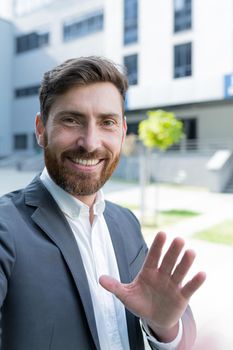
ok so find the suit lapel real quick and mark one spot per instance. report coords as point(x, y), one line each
point(119, 246)
point(51, 220)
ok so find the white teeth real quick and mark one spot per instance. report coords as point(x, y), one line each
point(86, 162)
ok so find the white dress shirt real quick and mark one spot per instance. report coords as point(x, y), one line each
point(98, 258)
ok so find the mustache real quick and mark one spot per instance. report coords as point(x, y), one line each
point(82, 153)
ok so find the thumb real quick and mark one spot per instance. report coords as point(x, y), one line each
point(111, 285)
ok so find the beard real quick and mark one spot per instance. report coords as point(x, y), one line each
point(74, 182)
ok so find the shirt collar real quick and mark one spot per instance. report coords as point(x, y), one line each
point(70, 205)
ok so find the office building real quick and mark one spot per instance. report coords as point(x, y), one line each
point(178, 54)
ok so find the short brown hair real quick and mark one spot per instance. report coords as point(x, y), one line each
point(78, 72)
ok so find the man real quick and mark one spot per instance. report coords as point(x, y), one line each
point(61, 242)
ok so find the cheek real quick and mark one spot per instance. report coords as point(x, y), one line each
point(59, 139)
point(122, 137)
point(115, 145)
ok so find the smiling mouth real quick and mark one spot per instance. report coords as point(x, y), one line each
point(86, 162)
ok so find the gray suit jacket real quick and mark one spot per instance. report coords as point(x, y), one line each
point(44, 295)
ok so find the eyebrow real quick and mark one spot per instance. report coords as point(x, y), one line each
point(77, 114)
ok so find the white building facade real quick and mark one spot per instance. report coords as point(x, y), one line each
point(179, 56)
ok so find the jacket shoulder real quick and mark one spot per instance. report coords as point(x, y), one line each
point(116, 210)
point(7, 201)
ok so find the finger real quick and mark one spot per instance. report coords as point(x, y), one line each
point(191, 286)
point(183, 267)
point(171, 256)
point(154, 254)
point(112, 285)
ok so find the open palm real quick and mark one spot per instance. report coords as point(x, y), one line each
point(157, 294)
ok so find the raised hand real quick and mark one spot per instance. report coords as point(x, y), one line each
point(157, 294)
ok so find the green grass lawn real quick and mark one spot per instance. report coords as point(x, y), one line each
point(221, 233)
point(163, 217)
point(168, 217)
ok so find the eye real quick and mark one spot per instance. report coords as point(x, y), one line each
point(109, 122)
point(70, 121)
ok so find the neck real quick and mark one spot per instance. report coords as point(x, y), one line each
point(88, 200)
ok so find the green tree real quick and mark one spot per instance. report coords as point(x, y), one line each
point(160, 130)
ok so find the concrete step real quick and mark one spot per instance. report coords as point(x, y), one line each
point(228, 190)
point(229, 187)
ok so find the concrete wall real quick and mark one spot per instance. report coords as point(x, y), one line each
point(169, 168)
point(6, 43)
point(220, 167)
point(214, 121)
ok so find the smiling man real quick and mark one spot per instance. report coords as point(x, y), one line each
point(75, 272)
point(82, 138)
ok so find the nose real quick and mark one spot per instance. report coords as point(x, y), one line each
point(89, 138)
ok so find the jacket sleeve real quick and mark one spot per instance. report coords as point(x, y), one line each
point(7, 257)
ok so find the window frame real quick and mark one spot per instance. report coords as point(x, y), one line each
point(83, 26)
point(184, 69)
point(27, 91)
point(20, 142)
point(182, 18)
point(132, 76)
point(32, 41)
point(130, 18)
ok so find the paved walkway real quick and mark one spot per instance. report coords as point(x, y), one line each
point(213, 303)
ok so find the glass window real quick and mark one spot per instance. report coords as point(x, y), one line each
point(182, 60)
point(131, 64)
point(31, 41)
point(27, 91)
point(130, 21)
point(182, 15)
point(132, 128)
point(20, 141)
point(89, 25)
point(190, 128)
point(191, 135)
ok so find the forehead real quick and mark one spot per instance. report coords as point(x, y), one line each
point(101, 95)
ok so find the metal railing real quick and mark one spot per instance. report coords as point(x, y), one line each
point(208, 146)
point(203, 146)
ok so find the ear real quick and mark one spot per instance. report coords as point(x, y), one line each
point(39, 129)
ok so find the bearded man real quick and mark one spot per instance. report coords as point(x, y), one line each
point(75, 272)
